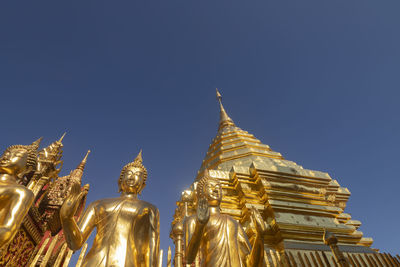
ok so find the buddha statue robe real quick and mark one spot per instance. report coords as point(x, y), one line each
point(224, 242)
point(127, 233)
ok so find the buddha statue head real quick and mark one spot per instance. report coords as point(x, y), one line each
point(133, 176)
point(19, 160)
point(210, 189)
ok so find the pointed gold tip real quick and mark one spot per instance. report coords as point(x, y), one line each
point(219, 96)
point(81, 165)
point(62, 137)
point(37, 143)
point(86, 156)
point(225, 120)
point(139, 156)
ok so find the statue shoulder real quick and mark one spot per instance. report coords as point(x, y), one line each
point(18, 192)
point(104, 202)
point(95, 205)
point(231, 220)
point(23, 192)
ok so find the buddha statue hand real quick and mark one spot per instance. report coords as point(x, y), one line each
point(72, 202)
point(256, 256)
point(258, 222)
point(203, 212)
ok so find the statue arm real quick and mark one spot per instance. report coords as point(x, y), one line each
point(194, 234)
point(75, 235)
point(244, 245)
point(19, 206)
point(256, 256)
point(154, 237)
point(195, 228)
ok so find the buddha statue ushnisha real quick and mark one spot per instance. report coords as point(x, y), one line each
point(219, 238)
point(127, 228)
point(18, 162)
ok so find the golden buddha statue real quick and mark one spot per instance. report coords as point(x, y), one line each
point(127, 228)
point(18, 162)
point(219, 238)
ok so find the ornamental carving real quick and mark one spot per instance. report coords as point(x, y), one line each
point(18, 252)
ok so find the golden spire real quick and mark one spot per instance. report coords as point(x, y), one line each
point(62, 137)
point(81, 165)
point(50, 158)
point(225, 120)
point(36, 144)
point(76, 175)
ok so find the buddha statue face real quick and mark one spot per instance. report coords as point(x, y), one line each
point(14, 161)
point(212, 191)
point(132, 180)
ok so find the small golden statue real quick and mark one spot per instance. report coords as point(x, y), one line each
point(17, 163)
point(127, 228)
point(219, 238)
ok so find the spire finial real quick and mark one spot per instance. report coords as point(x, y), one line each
point(81, 165)
point(36, 144)
point(139, 157)
point(219, 96)
point(225, 120)
point(62, 137)
point(86, 156)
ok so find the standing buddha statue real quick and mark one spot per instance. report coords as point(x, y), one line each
point(219, 238)
point(127, 228)
point(17, 163)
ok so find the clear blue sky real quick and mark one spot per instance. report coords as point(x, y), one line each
point(317, 80)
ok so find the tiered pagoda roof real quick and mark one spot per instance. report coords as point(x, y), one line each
point(297, 204)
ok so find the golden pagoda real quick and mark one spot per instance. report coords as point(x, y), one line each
point(303, 209)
